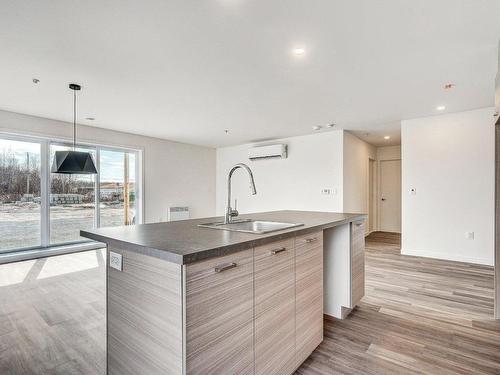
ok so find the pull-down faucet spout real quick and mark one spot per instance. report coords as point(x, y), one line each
point(230, 212)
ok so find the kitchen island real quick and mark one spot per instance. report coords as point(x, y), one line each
point(182, 299)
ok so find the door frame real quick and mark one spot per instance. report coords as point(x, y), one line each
point(372, 224)
point(497, 221)
point(379, 189)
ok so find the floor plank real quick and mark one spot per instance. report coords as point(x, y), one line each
point(419, 316)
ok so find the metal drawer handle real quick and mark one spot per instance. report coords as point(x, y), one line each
point(309, 240)
point(224, 267)
point(278, 250)
point(358, 224)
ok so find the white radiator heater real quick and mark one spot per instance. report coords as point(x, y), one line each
point(178, 213)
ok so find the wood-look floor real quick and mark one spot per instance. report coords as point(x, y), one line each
point(419, 316)
point(52, 315)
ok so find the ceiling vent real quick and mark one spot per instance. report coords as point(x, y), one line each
point(278, 151)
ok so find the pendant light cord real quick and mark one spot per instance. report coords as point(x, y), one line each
point(74, 120)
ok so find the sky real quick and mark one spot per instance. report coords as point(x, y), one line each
point(111, 163)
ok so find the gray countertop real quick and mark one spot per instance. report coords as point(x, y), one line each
point(184, 242)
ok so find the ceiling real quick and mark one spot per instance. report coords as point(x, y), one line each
point(189, 70)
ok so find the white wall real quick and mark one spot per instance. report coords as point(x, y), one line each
point(449, 159)
point(357, 154)
point(314, 162)
point(174, 173)
point(389, 153)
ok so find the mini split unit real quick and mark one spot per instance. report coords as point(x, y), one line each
point(278, 151)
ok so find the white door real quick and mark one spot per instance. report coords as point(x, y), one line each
point(390, 196)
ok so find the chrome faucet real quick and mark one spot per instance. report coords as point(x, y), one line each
point(230, 212)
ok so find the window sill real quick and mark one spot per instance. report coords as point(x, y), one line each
point(20, 255)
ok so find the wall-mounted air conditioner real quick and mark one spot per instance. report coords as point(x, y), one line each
point(278, 151)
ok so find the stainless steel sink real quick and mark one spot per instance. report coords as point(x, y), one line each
point(251, 226)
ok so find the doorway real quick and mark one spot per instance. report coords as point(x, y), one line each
point(390, 196)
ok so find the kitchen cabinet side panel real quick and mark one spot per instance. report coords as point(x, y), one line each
point(357, 262)
point(144, 312)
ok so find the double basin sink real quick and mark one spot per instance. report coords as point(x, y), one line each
point(251, 226)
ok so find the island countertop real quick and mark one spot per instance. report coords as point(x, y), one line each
point(183, 242)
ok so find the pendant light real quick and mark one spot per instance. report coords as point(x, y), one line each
point(73, 162)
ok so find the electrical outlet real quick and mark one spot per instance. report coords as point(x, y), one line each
point(115, 261)
point(469, 235)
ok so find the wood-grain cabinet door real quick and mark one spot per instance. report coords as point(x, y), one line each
point(309, 294)
point(275, 308)
point(357, 262)
point(219, 315)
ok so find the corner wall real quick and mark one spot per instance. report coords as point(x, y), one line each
point(357, 154)
point(314, 162)
point(173, 173)
point(449, 160)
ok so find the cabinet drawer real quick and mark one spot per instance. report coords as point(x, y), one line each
point(219, 315)
point(309, 294)
point(275, 308)
point(357, 262)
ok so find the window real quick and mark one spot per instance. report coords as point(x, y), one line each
point(39, 209)
point(20, 172)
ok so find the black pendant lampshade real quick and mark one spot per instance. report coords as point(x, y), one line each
point(73, 162)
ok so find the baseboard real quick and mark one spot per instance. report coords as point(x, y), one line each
point(345, 311)
point(330, 318)
point(447, 256)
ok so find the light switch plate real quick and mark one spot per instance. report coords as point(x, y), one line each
point(115, 261)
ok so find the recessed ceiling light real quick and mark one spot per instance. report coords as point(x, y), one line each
point(299, 51)
point(90, 118)
point(440, 107)
point(387, 137)
point(330, 125)
point(35, 80)
point(316, 127)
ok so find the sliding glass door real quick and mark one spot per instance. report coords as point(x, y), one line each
point(72, 202)
point(117, 192)
point(39, 209)
point(20, 171)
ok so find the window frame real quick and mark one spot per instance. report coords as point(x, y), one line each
point(45, 164)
